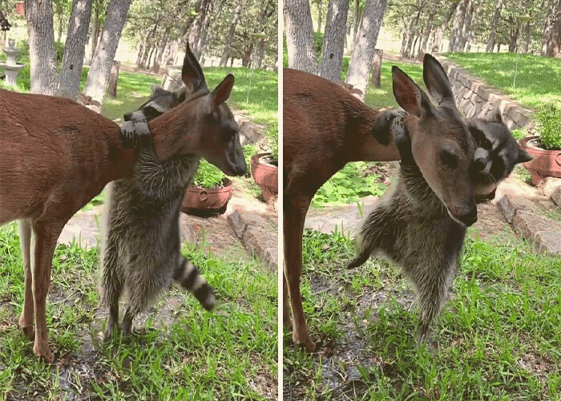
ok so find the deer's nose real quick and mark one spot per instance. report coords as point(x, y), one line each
point(470, 217)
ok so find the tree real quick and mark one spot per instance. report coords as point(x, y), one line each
point(42, 56)
point(334, 40)
point(494, 24)
point(365, 44)
point(231, 32)
point(551, 42)
point(106, 49)
point(71, 71)
point(299, 35)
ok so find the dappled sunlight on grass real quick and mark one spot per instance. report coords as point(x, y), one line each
point(531, 80)
point(132, 90)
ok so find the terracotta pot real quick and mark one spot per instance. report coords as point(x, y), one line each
point(266, 175)
point(546, 163)
point(206, 202)
point(20, 8)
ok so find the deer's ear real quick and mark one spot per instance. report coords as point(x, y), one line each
point(192, 74)
point(222, 92)
point(408, 95)
point(436, 81)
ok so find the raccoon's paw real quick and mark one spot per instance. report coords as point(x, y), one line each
point(135, 130)
point(383, 125)
point(358, 261)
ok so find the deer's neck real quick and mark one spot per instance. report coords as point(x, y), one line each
point(171, 133)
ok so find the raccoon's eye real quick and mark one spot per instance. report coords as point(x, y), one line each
point(448, 159)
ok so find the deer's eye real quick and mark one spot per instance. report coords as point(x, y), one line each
point(448, 159)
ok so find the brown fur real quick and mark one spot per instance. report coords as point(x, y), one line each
point(325, 127)
point(56, 155)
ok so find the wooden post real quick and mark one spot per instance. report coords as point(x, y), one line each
point(113, 78)
point(377, 69)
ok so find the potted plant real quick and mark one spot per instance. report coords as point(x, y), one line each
point(209, 193)
point(265, 171)
point(545, 148)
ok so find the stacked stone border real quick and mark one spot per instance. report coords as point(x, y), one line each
point(478, 99)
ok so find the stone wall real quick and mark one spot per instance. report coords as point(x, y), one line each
point(477, 99)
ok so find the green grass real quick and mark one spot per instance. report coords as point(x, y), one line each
point(181, 352)
point(498, 337)
point(533, 81)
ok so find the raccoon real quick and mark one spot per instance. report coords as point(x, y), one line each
point(141, 249)
point(496, 154)
point(411, 226)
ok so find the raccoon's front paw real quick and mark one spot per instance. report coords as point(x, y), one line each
point(402, 140)
point(135, 130)
point(383, 125)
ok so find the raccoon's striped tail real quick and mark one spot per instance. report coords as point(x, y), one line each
point(191, 279)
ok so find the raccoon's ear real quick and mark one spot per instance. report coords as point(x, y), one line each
point(523, 156)
point(496, 116)
point(180, 95)
point(478, 135)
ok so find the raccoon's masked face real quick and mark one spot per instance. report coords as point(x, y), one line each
point(496, 154)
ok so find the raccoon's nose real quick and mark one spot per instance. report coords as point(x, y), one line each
point(127, 116)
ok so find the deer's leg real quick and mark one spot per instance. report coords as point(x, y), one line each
point(45, 234)
point(285, 313)
point(295, 209)
point(27, 315)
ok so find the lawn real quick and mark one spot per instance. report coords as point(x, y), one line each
point(533, 81)
point(498, 337)
point(179, 351)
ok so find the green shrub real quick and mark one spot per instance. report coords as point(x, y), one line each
point(208, 176)
point(548, 121)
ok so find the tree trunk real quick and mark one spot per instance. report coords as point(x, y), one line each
point(514, 33)
point(528, 35)
point(356, 21)
point(260, 53)
point(42, 55)
point(231, 32)
point(140, 52)
point(334, 40)
point(426, 34)
point(113, 79)
point(319, 3)
point(105, 52)
point(494, 24)
point(551, 42)
point(71, 71)
point(440, 31)
point(59, 13)
point(365, 45)
point(377, 70)
point(197, 26)
point(299, 35)
point(95, 31)
point(457, 27)
point(466, 26)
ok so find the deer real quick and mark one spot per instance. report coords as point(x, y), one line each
point(56, 155)
point(325, 127)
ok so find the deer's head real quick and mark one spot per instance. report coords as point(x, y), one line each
point(202, 123)
point(440, 141)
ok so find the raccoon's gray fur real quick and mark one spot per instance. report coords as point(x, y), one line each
point(495, 157)
point(412, 227)
point(141, 249)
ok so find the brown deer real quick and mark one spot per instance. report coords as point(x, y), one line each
point(325, 127)
point(56, 155)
